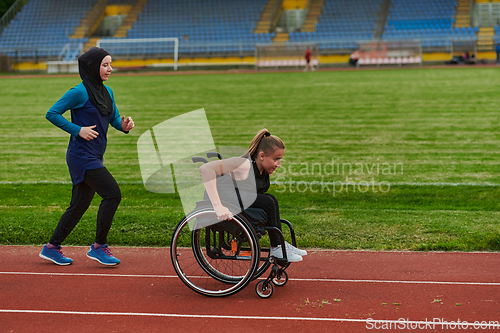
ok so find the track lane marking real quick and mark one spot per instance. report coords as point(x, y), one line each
point(291, 279)
point(418, 323)
point(90, 274)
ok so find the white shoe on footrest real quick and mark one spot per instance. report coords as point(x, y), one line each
point(291, 248)
point(278, 253)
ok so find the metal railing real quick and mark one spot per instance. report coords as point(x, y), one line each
point(486, 14)
point(147, 49)
point(31, 54)
point(71, 51)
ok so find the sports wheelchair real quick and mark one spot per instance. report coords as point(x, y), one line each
point(220, 258)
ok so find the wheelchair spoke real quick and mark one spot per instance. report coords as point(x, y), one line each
point(205, 260)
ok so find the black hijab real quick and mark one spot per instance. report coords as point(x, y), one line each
point(89, 66)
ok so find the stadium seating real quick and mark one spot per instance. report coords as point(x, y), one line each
point(227, 24)
point(222, 27)
point(344, 21)
point(43, 27)
point(430, 21)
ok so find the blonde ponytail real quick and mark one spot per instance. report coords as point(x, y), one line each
point(264, 142)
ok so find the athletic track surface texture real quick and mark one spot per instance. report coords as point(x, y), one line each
point(329, 291)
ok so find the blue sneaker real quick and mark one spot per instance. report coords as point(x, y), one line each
point(55, 255)
point(103, 255)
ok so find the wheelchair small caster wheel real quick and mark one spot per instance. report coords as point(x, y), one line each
point(280, 281)
point(264, 291)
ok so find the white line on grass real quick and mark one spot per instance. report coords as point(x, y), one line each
point(55, 182)
point(369, 322)
point(291, 279)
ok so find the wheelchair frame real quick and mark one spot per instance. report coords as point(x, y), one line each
point(223, 258)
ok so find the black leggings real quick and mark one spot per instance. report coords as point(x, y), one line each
point(269, 204)
point(102, 182)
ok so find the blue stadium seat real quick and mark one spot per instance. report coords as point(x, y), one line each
point(342, 20)
point(47, 25)
point(44, 25)
point(201, 21)
point(428, 20)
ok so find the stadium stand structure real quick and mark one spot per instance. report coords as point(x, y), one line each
point(487, 17)
point(430, 21)
point(268, 17)
point(462, 16)
point(137, 8)
point(314, 10)
point(41, 29)
point(52, 29)
point(91, 20)
point(342, 21)
point(203, 27)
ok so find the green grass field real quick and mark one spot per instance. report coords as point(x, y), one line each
point(419, 148)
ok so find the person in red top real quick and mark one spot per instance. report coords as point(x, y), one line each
point(308, 56)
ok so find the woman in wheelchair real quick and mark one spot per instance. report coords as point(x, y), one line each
point(262, 158)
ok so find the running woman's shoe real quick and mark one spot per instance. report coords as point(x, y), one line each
point(55, 255)
point(103, 255)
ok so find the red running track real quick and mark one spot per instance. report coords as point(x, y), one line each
point(331, 291)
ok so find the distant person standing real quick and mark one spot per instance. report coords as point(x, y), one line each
point(92, 108)
point(353, 59)
point(308, 56)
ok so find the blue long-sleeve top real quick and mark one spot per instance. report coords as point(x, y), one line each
point(82, 154)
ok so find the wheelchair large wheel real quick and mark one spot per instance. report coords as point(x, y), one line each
point(243, 252)
point(209, 259)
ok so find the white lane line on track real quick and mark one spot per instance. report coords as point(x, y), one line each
point(291, 279)
point(368, 322)
point(90, 274)
point(400, 281)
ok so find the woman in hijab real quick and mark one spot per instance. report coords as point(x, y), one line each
point(92, 108)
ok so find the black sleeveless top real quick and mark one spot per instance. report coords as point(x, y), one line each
point(261, 180)
point(248, 187)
